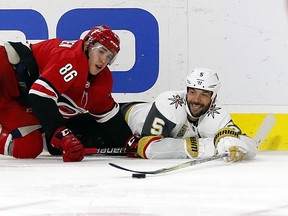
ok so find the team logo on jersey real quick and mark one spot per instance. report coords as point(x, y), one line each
point(182, 131)
point(87, 84)
point(177, 100)
point(68, 108)
point(213, 110)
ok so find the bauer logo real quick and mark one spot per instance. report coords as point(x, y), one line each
point(136, 68)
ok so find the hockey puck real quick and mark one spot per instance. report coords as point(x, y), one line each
point(138, 175)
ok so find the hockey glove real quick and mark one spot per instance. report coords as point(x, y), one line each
point(239, 147)
point(72, 148)
point(132, 145)
point(235, 148)
point(192, 146)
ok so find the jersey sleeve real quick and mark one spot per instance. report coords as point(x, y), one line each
point(157, 124)
point(216, 118)
point(166, 112)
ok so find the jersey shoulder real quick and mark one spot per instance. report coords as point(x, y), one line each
point(216, 117)
point(62, 64)
point(171, 104)
point(58, 50)
point(218, 112)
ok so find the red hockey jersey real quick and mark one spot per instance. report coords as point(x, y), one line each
point(64, 78)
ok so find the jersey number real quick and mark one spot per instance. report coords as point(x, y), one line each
point(67, 72)
point(157, 126)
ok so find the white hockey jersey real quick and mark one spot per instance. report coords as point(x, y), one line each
point(167, 116)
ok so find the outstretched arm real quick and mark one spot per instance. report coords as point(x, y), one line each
point(157, 147)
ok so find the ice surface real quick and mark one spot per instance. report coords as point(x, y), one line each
point(47, 186)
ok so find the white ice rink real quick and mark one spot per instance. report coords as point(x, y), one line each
point(47, 186)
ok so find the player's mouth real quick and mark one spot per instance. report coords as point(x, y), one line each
point(98, 66)
point(196, 107)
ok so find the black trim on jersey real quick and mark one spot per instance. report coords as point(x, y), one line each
point(46, 110)
point(112, 133)
point(126, 106)
point(115, 132)
point(26, 70)
point(86, 129)
point(148, 124)
point(28, 59)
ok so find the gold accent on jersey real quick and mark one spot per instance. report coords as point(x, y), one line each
point(143, 144)
point(128, 112)
point(182, 131)
point(192, 146)
point(223, 132)
point(231, 124)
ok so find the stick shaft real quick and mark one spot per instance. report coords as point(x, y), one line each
point(111, 151)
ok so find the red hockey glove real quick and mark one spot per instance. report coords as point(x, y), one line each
point(65, 140)
point(132, 145)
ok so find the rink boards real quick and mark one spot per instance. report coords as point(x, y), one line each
point(277, 138)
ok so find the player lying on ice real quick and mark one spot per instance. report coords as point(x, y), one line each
point(69, 87)
point(187, 124)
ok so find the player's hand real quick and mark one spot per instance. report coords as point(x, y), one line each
point(132, 145)
point(236, 148)
point(65, 140)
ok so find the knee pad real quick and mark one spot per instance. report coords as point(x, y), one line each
point(29, 146)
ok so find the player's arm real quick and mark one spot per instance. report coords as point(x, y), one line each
point(231, 139)
point(157, 147)
point(156, 124)
point(46, 111)
point(239, 145)
point(154, 142)
point(43, 97)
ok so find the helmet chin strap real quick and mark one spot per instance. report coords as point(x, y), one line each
point(190, 116)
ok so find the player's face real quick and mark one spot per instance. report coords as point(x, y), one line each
point(99, 57)
point(198, 101)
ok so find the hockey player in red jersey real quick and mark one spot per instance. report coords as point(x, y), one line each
point(187, 124)
point(71, 97)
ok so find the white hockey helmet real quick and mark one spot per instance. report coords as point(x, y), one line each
point(203, 78)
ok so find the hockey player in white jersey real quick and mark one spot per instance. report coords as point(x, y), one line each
point(187, 124)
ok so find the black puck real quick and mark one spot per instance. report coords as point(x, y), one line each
point(138, 175)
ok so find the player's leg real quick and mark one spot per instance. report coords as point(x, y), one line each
point(28, 146)
point(20, 134)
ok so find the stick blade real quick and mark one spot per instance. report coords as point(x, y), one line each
point(265, 128)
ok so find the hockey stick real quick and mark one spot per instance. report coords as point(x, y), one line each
point(172, 168)
point(263, 131)
point(121, 151)
point(109, 151)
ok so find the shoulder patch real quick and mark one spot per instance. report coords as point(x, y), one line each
point(213, 110)
point(177, 101)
